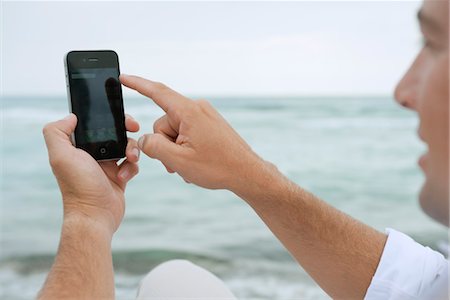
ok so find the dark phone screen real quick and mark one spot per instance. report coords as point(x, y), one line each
point(96, 100)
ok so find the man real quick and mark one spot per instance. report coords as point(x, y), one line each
point(348, 259)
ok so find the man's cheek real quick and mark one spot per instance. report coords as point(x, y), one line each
point(434, 110)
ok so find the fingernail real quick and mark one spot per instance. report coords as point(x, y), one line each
point(135, 152)
point(68, 117)
point(124, 174)
point(141, 142)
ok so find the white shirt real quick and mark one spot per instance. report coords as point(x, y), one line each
point(408, 270)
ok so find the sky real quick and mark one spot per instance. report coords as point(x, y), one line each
point(216, 48)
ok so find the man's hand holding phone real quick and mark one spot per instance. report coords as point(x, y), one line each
point(90, 189)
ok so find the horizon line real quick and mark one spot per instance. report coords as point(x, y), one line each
point(211, 96)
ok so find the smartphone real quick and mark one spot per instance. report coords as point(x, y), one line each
point(95, 97)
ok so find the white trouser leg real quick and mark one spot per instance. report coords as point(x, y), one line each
point(182, 280)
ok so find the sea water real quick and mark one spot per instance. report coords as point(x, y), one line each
point(357, 153)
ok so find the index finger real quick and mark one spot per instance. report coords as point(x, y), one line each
point(162, 95)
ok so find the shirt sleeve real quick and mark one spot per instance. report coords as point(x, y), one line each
point(408, 270)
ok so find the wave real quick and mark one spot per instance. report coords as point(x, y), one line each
point(132, 262)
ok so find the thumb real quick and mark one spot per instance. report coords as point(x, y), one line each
point(58, 133)
point(159, 147)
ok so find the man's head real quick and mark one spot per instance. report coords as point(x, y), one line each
point(425, 89)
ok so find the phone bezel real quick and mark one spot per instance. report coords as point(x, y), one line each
point(77, 59)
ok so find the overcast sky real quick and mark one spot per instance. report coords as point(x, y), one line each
point(217, 48)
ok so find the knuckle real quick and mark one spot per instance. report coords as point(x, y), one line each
point(185, 158)
point(160, 86)
point(203, 103)
point(47, 129)
point(156, 125)
point(150, 146)
point(178, 113)
point(151, 89)
point(56, 161)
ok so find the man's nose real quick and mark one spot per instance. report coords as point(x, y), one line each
point(405, 94)
point(407, 89)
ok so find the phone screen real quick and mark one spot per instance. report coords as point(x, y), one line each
point(96, 100)
point(95, 94)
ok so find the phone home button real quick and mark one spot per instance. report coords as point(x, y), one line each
point(103, 150)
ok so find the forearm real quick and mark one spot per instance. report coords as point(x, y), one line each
point(340, 253)
point(83, 265)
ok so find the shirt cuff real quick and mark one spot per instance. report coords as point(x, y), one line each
point(408, 270)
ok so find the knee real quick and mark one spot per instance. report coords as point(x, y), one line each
point(166, 275)
point(174, 265)
point(180, 278)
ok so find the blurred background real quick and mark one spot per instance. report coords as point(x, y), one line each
point(307, 84)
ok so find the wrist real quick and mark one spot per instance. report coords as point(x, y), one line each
point(260, 179)
point(78, 222)
point(83, 265)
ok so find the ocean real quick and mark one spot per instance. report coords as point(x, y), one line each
point(357, 153)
